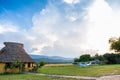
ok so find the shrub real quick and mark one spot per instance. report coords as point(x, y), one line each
point(42, 64)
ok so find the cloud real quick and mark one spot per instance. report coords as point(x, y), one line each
point(62, 29)
point(7, 28)
point(103, 23)
point(71, 1)
point(113, 3)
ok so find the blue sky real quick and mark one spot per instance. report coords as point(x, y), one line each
point(67, 28)
point(20, 12)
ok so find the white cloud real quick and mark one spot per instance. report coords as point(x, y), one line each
point(71, 1)
point(63, 29)
point(67, 31)
point(7, 28)
point(103, 23)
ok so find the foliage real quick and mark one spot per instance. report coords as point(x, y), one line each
point(107, 58)
point(13, 65)
point(38, 65)
point(76, 60)
point(42, 63)
point(35, 68)
point(115, 44)
point(83, 58)
point(99, 57)
point(98, 70)
point(112, 58)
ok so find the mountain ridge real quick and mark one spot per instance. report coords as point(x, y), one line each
point(51, 59)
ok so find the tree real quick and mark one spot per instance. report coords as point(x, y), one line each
point(42, 63)
point(76, 60)
point(112, 58)
point(38, 65)
point(85, 57)
point(115, 44)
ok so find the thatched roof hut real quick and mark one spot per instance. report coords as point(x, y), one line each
point(13, 52)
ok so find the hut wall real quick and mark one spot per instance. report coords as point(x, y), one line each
point(28, 66)
point(31, 66)
point(2, 66)
point(15, 70)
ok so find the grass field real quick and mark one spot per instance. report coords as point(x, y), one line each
point(58, 64)
point(31, 77)
point(82, 71)
point(66, 70)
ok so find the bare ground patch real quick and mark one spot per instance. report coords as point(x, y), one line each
point(112, 77)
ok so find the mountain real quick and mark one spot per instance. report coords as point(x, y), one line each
point(51, 59)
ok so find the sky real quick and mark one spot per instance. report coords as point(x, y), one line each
point(67, 28)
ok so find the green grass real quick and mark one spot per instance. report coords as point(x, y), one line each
point(31, 77)
point(65, 70)
point(82, 71)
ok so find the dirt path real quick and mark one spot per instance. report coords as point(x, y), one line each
point(67, 76)
point(111, 77)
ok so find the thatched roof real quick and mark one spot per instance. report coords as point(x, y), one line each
point(13, 52)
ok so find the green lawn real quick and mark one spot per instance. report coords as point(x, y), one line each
point(99, 70)
point(31, 77)
point(65, 70)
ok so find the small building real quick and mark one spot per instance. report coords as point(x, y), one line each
point(14, 52)
point(84, 64)
point(96, 61)
point(88, 63)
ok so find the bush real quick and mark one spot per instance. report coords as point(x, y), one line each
point(85, 58)
point(42, 64)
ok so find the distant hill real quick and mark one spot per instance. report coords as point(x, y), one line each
point(51, 59)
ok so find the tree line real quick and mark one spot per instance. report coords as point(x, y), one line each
point(107, 58)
